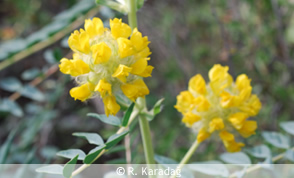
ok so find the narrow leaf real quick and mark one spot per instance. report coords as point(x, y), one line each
point(114, 139)
point(92, 155)
point(288, 127)
point(127, 115)
point(277, 139)
point(11, 84)
point(235, 158)
point(93, 138)
point(290, 155)
point(51, 169)
point(112, 120)
point(71, 153)
point(69, 167)
point(32, 93)
point(261, 151)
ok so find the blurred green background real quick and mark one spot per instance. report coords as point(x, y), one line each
point(38, 116)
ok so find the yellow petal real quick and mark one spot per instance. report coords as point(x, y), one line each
point(79, 41)
point(252, 106)
point(74, 67)
point(147, 72)
point(101, 53)
point(197, 84)
point(202, 135)
point(184, 101)
point(189, 119)
point(228, 100)
point(125, 47)
point(103, 87)
point(216, 124)
point(135, 89)
point(242, 82)
point(119, 29)
point(238, 119)
point(248, 128)
point(233, 146)
point(143, 54)
point(138, 41)
point(139, 66)
point(122, 72)
point(65, 66)
point(226, 136)
point(219, 78)
point(202, 104)
point(94, 27)
point(110, 105)
point(82, 92)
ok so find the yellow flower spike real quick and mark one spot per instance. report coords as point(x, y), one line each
point(110, 105)
point(107, 62)
point(74, 67)
point(221, 105)
point(119, 29)
point(103, 88)
point(82, 92)
point(94, 27)
point(138, 41)
point(226, 136)
point(189, 119)
point(100, 53)
point(248, 128)
point(238, 119)
point(197, 84)
point(202, 135)
point(134, 90)
point(122, 72)
point(252, 106)
point(79, 41)
point(216, 124)
point(125, 47)
point(184, 101)
point(202, 103)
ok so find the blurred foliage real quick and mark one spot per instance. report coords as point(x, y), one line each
point(187, 37)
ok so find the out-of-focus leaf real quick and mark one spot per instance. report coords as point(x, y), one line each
point(11, 84)
point(92, 155)
point(290, 155)
point(93, 138)
point(32, 93)
point(164, 160)
point(123, 101)
point(13, 46)
point(235, 158)
point(112, 120)
point(30, 74)
point(261, 151)
point(4, 149)
point(116, 149)
point(114, 139)
point(214, 168)
point(127, 115)
point(49, 56)
point(51, 169)
point(32, 108)
point(6, 105)
point(64, 42)
point(49, 152)
point(71, 153)
point(277, 139)
point(288, 127)
point(69, 167)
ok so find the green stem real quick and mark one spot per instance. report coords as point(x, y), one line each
point(188, 155)
point(132, 16)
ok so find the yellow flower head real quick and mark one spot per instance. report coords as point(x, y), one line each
point(221, 106)
point(107, 62)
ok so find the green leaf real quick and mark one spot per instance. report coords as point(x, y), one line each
point(214, 168)
point(11, 84)
point(235, 158)
point(30, 74)
point(123, 101)
point(32, 93)
point(71, 153)
point(112, 120)
point(288, 127)
point(5, 147)
point(116, 149)
point(155, 110)
point(114, 139)
point(69, 167)
point(261, 151)
point(93, 138)
point(89, 159)
point(277, 139)
point(290, 155)
point(127, 115)
point(51, 169)
point(6, 105)
point(140, 4)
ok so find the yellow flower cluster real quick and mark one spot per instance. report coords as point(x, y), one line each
point(107, 62)
point(220, 106)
